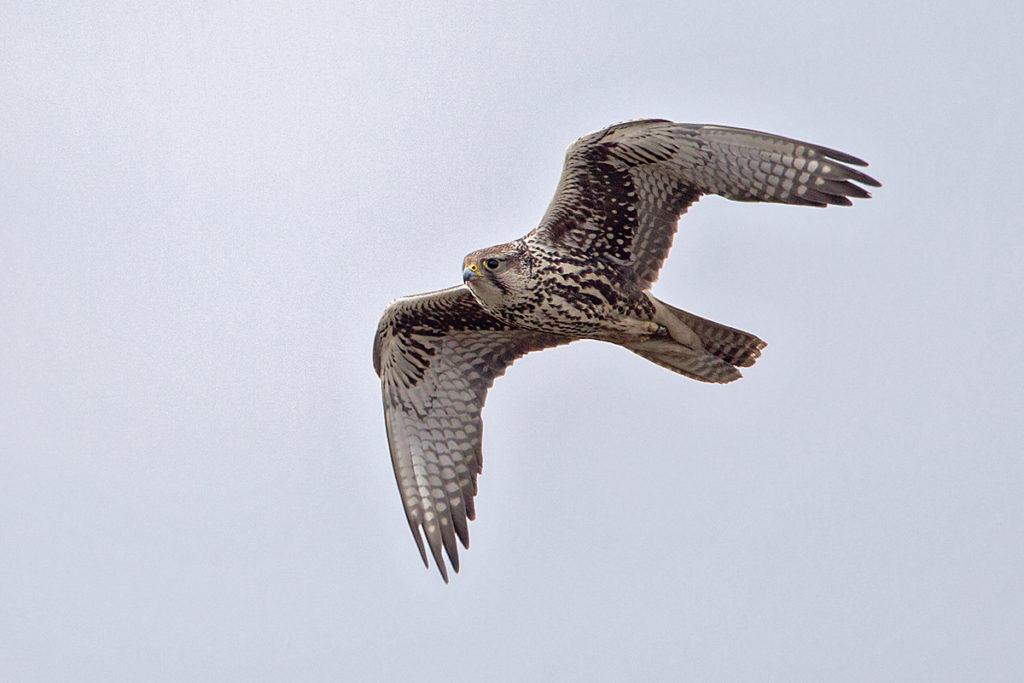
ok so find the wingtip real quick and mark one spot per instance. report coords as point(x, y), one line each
point(419, 541)
point(852, 173)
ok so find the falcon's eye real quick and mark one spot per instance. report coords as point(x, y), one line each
point(492, 264)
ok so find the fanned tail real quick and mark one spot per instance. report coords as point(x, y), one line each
point(699, 365)
point(723, 348)
point(735, 347)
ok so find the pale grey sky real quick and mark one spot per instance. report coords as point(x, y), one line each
point(204, 210)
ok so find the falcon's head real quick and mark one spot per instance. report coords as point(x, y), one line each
point(496, 274)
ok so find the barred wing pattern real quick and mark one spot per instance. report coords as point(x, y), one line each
point(437, 355)
point(623, 189)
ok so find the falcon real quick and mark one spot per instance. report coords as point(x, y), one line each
point(584, 273)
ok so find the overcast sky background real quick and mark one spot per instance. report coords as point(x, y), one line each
point(205, 209)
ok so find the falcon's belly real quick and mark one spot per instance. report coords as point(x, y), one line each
point(580, 301)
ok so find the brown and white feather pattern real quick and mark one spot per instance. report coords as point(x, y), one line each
point(583, 273)
point(437, 355)
point(623, 189)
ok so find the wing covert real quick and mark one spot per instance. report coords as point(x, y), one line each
point(437, 354)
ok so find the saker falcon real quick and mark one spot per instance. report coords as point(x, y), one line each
point(584, 273)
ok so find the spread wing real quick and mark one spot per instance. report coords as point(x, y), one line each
point(437, 355)
point(624, 188)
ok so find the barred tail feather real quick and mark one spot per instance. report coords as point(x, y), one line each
point(721, 348)
point(695, 364)
point(735, 347)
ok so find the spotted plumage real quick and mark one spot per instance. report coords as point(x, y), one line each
point(584, 273)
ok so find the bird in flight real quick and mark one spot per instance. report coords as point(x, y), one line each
point(584, 273)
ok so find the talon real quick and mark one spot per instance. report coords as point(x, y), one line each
point(650, 329)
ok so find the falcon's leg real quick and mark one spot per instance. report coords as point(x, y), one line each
point(678, 348)
point(676, 328)
point(625, 329)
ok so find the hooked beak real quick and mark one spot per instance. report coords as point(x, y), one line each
point(470, 273)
